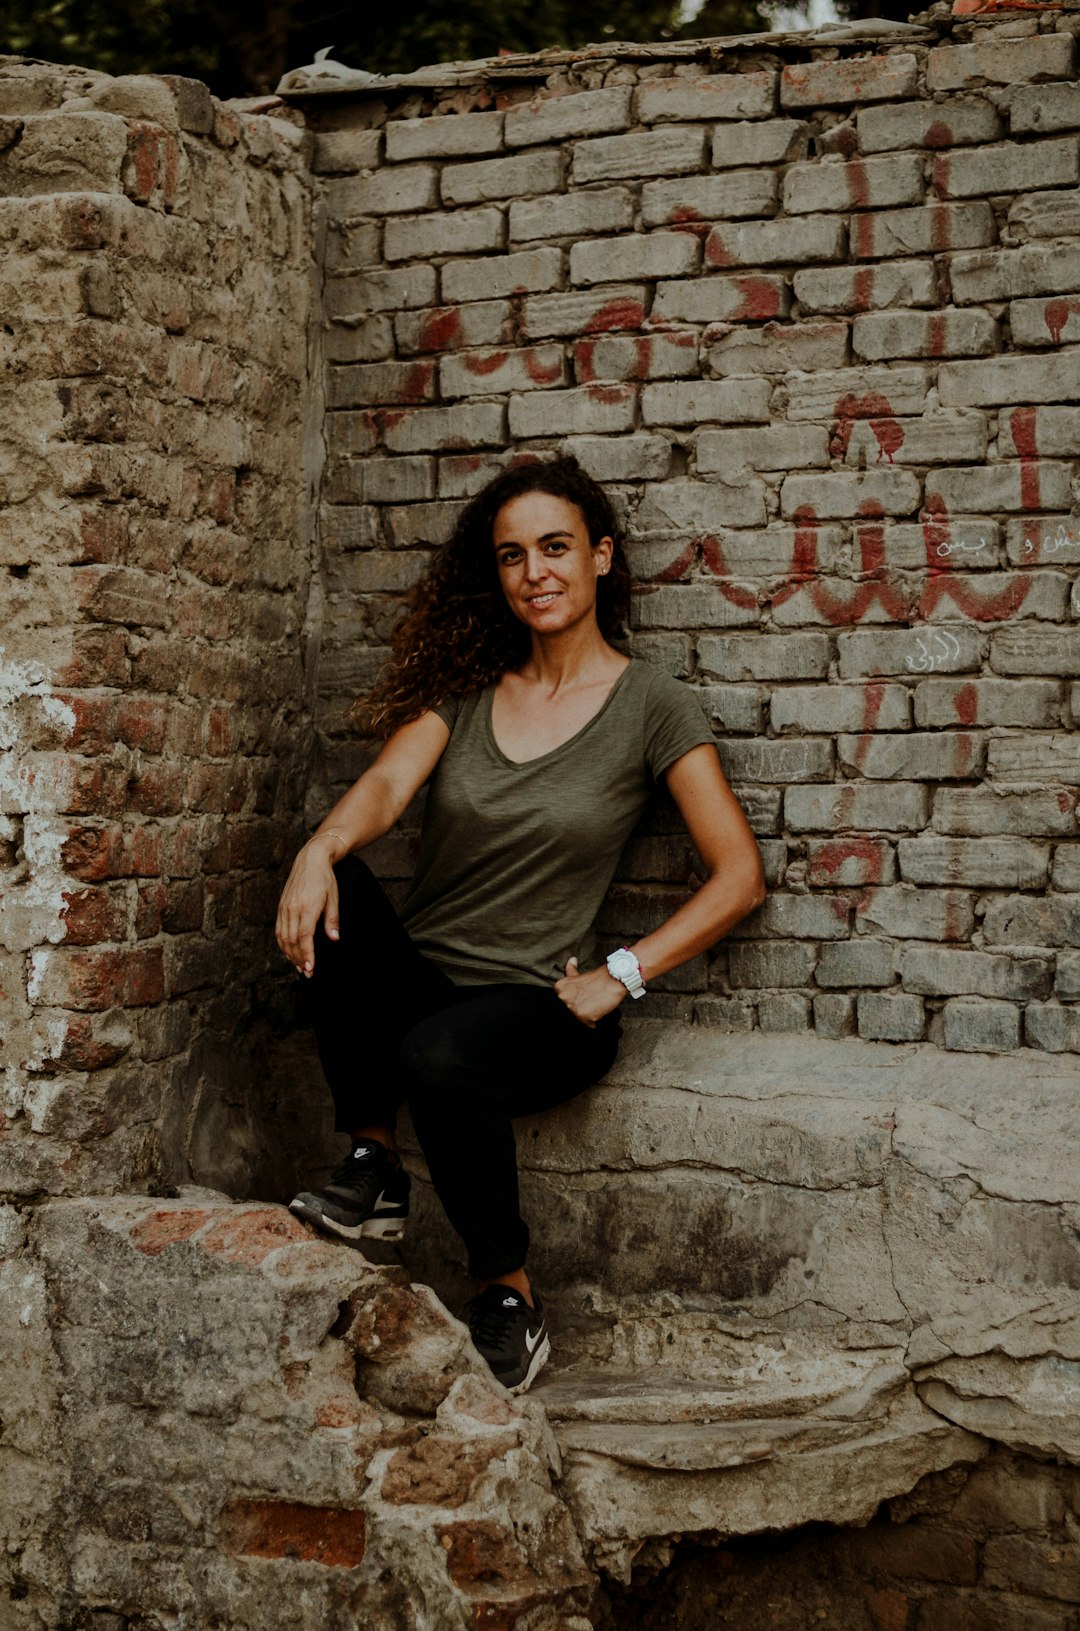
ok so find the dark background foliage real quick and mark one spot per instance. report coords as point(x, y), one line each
point(243, 50)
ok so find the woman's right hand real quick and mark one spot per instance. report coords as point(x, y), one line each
point(311, 892)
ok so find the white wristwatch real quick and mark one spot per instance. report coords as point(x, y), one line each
point(623, 965)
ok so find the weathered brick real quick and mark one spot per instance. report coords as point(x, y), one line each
point(1049, 432)
point(775, 243)
point(858, 807)
point(395, 481)
point(778, 348)
point(371, 340)
point(1024, 650)
point(794, 759)
point(554, 118)
point(666, 355)
point(601, 312)
point(690, 606)
point(124, 594)
point(991, 596)
point(1030, 920)
point(762, 807)
point(666, 151)
point(831, 496)
point(1052, 1027)
point(1066, 874)
point(708, 198)
point(953, 971)
point(441, 138)
point(420, 523)
point(831, 708)
point(1007, 167)
point(688, 402)
point(733, 707)
point(928, 124)
point(500, 275)
point(622, 458)
point(796, 917)
point(917, 756)
point(95, 980)
point(696, 507)
point(1044, 322)
point(779, 963)
point(773, 141)
point(861, 184)
point(783, 1011)
point(980, 1027)
point(394, 190)
point(484, 373)
point(834, 863)
point(855, 289)
point(764, 657)
point(465, 425)
point(855, 79)
point(772, 447)
point(1035, 268)
point(461, 232)
point(883, 1017)
point(834, 1015)
point(720, 96)
point(351, 298)
point(744, 552)
point(649, 255)
point(380, 383)
point(450, 328)
point(1053, 214)
point(909, 651)
point(514, 177)
point(571, 215)
point(1000, 62)
point(1044, 107)
point(583, 410)
point(905, 913)
point(988, 702)
point(340, 152)
point(1023, 485)
point(1034, 757)
point(722, 300)
point(859, 961)
point(944, 437)
point(974, 863)
point(858, 393)
point(982, 811)
point(723, 1014)
point(927, 229)
point(948, 333)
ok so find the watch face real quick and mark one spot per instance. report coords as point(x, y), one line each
point(621, 963)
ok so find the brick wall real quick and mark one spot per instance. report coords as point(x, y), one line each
point(154, 569)
point(813, 311)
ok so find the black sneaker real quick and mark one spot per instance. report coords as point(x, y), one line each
point(368, 1196)
point(510, 1335)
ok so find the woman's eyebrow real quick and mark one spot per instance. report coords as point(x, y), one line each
point(562, 532)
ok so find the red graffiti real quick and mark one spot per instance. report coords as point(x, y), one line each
point(940, 170)
point(873, 697)
point(935, 335)
point(417, 381)
point(622, 312)
point(1022, 424)
point(863, 288)
point(858, 184)
point(484, 362)
point(940, 225)
point(540, 373)
point(439, 329)
point(874, 586)
point(832, 855)
point(717, 252)
point(966, 703)
point(939, 134)
point(1057, 314)
point(982, 605)
point(713, 556)
point(873, 406)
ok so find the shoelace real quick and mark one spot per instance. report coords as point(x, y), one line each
point(490, 1320)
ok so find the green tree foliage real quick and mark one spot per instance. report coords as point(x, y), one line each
point(243, 50)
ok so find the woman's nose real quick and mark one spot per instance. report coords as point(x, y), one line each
point(535, 565)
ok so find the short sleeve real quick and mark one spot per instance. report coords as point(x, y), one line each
point(448, 710)
point(674, 722)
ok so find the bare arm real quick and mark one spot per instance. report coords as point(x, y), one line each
point(734, 886)
point(370, 808)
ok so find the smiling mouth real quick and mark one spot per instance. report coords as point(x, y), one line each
point(543, 600)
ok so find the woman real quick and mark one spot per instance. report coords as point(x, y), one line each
point(541, 743)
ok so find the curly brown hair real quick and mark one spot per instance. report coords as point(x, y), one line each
point(458, 633)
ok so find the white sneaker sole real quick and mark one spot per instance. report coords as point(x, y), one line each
point(370, 1229)
point(539, 1359)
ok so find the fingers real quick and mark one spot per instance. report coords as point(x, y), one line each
point(331, 922)
point(572, 970)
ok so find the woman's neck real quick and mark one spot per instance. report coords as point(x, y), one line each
point(578, 656)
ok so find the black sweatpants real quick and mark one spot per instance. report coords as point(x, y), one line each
point(393, 1029)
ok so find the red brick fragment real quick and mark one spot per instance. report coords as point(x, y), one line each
point(331, 1536)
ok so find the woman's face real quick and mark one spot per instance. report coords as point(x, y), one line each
point(547, 566)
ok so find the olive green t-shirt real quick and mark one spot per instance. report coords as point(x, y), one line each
point(515, 859)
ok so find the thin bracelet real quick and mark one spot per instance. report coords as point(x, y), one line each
point(331, 832)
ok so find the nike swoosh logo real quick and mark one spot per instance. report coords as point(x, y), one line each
point(531, 1341)
point(382, 1205)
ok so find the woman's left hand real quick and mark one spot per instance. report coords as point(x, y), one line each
point(589, 996)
